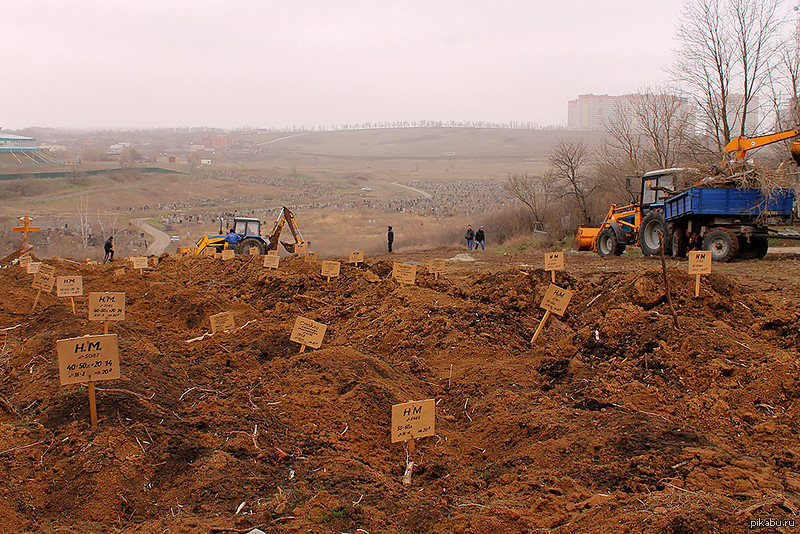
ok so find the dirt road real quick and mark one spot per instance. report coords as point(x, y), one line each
point(160, 239)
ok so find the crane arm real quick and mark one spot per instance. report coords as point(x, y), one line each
point(740, 145)
point(284, 217)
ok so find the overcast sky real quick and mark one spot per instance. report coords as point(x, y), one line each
point(277, 63)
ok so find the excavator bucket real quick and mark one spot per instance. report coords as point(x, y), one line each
point(586, 238)
point(795, 150)
point(288, 246)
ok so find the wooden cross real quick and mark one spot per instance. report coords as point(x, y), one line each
point(26, 228)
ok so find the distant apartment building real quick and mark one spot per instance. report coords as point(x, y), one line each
point(593, 113)
point(752, 122)
point(589, 113)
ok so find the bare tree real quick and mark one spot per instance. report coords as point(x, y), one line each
point(532, 191)
point(727, 47)
point(570, 162)
point(83, 219)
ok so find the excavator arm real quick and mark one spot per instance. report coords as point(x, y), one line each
point(285, 217)
point(739, 146)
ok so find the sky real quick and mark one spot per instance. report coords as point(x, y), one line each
point(284, 63)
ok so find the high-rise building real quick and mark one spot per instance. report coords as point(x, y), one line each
point(590, 113)
point(593, 113)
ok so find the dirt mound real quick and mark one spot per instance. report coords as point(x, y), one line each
point(613, 422)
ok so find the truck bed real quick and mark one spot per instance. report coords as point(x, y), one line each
point(728, 202)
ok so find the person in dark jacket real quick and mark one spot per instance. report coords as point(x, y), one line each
point(469, 236)
point(108, 247)
point(479, 238)
point(390, 237)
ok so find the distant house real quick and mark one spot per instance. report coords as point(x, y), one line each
point(21, 150)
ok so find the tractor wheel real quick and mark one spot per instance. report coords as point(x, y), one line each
point(244, 246)
point(649, 241)
point(680, 242)
point(607, 243)
point(722, 243)
point(755, 248)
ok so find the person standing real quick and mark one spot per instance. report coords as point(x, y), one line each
point(108, 247)
point(469, 236)
point(390, 237)
point(479, 239)
point(232, 239)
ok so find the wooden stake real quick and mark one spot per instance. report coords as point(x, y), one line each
point(92, 405)
point(697, 286)
point(667, 288)
point(302, 348)
point(541, 325)
point(410, 443)
point(72, 300)
point(36, 300)
point(329, 279)
point(553, 278)
point(105, 327)
point(436, 275)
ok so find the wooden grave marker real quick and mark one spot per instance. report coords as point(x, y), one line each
point(555, 301)
point(209, 251)
point(436, 266)
point(119, 272)
point(253, 251)
point(310, 257)
point(300, 248)
point(106, 307)
point(32, 267)
point(139, 262)
point(88, 359)
point(228, 254)
point(330, 268)
point(69, 286)
point(553, 261)
point(43, 281)
point(272, 252)
point(222, 321)
point(307, 332)
point(356, 257)
point(24, 261)
point(411, 420)
point(271, 261)
point(699, 264)
point(404, 273)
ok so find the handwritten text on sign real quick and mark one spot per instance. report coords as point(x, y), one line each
point(300, 248)
point(69, 286)
point(33, 267)
point(139, 262)
point(436, 265)
point(228, 254)
point(24, 261)
point(553, 261)
point(272, 253)
point(556, 299)
point(271, 261)
point(356, 256)
point(699, 262)
point(221, 322)
point(330, 268)
point(88, 358)
point(253, 251)
point(404, 273)
point(43, 281)
point(106, 306)
point(413, 420)
point(308, 332)
point(310, 257)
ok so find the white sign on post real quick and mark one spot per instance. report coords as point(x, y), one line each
point(106, 306)
point(88, 359)
point(356, 256)
point(271, 261)
point(69, 286)
point(308, 332)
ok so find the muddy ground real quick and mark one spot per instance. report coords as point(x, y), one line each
point(614, 421)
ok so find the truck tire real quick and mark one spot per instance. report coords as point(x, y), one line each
point(680, 242)
point(244, 246)
point(755, 248)
point(722, 243)
point(649, 242)
point(607, 243)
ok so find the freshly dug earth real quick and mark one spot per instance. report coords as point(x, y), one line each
point(614, 421)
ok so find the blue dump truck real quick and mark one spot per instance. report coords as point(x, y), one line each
point(729, 222)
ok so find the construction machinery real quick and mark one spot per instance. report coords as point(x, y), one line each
point(637, 224)
point(249, 230)
point(728, 220)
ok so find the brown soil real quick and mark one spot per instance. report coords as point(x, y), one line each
point(613, 422)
